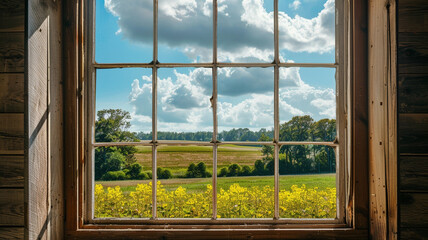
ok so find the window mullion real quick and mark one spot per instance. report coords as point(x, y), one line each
point(276, 111)
point(154, 109)
point(214, 108)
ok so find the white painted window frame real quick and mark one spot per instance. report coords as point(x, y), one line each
point(341, 145)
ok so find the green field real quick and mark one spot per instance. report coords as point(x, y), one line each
point(178, 158)
point(322, 181)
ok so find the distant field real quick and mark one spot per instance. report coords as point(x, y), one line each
point(178, 158)
point(322, 181)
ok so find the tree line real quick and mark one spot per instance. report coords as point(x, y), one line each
point(119, 162)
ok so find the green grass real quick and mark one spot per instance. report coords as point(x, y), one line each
point(322, 181)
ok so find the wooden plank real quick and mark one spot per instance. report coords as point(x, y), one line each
point(360, 206)
point(71, 73)
point(414, 210)
point(382, 121)
point(11, 133)
point(413, 89)
point(413, 132)
point(413, 16)
point(38, 115)
point(11, 207)
point(413, 233)
point(11, 52)
point(12, 171)
point(230, 234)
point(12, 93)
point(413, 53)
point(414, 173)
point(12, 15)
point(12, 233)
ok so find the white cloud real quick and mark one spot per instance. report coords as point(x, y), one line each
point(295, 5)
point(184, 103)
point(245, 28)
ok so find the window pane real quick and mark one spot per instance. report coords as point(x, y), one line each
point(123, 182)
point(185, 183)
point(123, 105)
point(307, 31)
point(307, 104)
point(124, 31)
point(245, 31)
point(245, 103)
point(307, 182)
point(185, 32)
point(245, 182)
point(184, 108)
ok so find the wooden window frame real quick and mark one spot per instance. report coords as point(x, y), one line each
point(355, 224)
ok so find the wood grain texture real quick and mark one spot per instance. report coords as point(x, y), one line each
point(413, 92)
point(11, 52)
point(413, 132)
point(360, 117)
point(413, 16)
point(413, 53)
point(11, 171)
point(413, 233)
point(348, 234)
point(414, 173)
point(12, 93)
point(414, 210)
point(11, 207)
point(12, 233)
point(383, 120)
point(38, 117)
point(11, 133)
point(12, 15)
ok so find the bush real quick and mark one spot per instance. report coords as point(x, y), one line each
point(197, 171)
point(114, 175)
point(134, 171)
point(245, 171)
point(223, 172)
point(142, 176)
point(163, 173)
point(259, 168)
point(233, 170)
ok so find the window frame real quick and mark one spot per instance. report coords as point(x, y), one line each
point(77, 222)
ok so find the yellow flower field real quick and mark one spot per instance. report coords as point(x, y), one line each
point(235, 202)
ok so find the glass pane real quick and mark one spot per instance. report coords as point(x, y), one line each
point(184, 181)
point(123, 185)
point(184, 108)
point(245, 182)
point(245, 31)
point(307, 104)
point(245, 103)
point(123, 105)
point(124, 31)
point(307, 31)
point(307, 182)
point(185, 32)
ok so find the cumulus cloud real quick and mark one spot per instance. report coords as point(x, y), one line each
point(184, 99)
point(245, 28)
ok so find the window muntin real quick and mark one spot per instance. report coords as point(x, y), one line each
point(278, 66)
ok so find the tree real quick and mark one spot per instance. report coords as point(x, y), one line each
point(112, 126)
point(259, 168)
point(267, 150)
point(135, 170)
point(234, 170)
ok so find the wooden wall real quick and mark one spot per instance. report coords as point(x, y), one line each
point(31, 165)
point(413, 117)
point(12, 32)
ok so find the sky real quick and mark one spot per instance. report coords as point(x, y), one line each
point(124, 34)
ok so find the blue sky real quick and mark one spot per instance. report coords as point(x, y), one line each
point(245, 34)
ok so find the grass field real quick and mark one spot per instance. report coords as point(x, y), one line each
point(178, 158)
point(322, 181)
